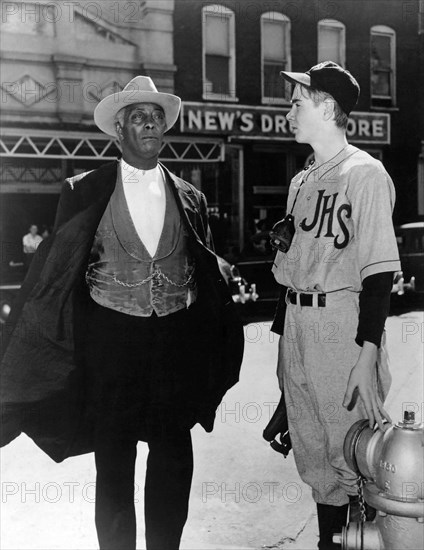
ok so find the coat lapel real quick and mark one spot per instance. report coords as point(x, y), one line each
point(97, 188)
point(188, 206)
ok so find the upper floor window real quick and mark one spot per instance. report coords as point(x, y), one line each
point(383, 66)
point(276, 57)
point(219, 56)
point(331, 41)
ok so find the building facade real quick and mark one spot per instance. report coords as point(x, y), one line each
point(420, 175)
point(58, 60)
point(223, 58)
point(228, 56)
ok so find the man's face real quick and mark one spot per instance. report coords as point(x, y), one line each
point(305, 117)
point(142, 132)
point(33, 230)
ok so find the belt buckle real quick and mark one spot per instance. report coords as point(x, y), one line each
point(292, 295)
point(314, 299)
point(303, 299)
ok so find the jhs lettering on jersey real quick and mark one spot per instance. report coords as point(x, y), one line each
point(324, 216)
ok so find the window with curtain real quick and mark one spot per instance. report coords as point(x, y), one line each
point(383, 66)
point(276, 57)
point(218, 52)
point(331, 41)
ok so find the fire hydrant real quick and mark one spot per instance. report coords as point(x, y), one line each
point(391, 466)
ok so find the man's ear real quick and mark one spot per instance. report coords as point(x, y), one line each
point(328, 109)
point(119, 131)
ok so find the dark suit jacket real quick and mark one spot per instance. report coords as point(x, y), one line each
point(42, 371)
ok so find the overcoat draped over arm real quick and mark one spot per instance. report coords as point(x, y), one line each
point(42, 370)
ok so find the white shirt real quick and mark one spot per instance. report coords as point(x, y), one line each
point(145, 194)
point(31, 243)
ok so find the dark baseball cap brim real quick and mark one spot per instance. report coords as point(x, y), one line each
point(297, 78)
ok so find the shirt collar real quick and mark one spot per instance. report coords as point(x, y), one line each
point(131, 174)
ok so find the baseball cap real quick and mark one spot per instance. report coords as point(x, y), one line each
point(331, 78)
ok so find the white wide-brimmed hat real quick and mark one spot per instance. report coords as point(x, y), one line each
point(140, 89)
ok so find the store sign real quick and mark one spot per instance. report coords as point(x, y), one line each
point(244, 121)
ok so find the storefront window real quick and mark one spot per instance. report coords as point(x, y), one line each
point(218, 182)
point(266, 189)
point(276, 57)
point(218, 53)
point(331, 41)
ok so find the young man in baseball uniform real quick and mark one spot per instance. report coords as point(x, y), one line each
point(337, 277)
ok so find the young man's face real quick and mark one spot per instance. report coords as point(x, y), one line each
point(142, 132)
point(305, 117)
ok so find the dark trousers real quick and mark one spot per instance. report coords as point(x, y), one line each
point(166, 494)
point(140, 376)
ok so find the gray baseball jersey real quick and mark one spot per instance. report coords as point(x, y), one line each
point(343, 221)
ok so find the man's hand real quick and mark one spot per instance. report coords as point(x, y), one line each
point(280, 366)
point(363, 380)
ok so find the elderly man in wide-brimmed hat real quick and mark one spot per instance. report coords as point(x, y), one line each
point(125, 330)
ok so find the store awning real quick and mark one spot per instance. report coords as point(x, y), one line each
point(56, 144)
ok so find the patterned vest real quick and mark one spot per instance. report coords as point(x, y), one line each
point(123, 276)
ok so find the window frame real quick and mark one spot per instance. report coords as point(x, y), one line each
point(221, 11)
point(383, 30)
point(276, 16)
point(334, 24)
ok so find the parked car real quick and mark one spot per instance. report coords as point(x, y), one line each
point(408, 286)
point(12, 274)
point(409, 283)
point(253, 285)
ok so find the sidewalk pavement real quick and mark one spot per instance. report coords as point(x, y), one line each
point(244, 494)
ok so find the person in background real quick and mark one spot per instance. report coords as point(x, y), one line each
point(30, 243)
point(337, 275)
point(46, 231)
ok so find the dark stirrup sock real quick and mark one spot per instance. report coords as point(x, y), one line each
point(331, 519)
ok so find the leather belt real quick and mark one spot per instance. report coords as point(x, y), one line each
point(305, 299)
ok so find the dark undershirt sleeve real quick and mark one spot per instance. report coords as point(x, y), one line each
point(280, 313)
point(374, 305)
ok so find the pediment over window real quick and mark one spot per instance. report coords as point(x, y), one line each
point(93, 29)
